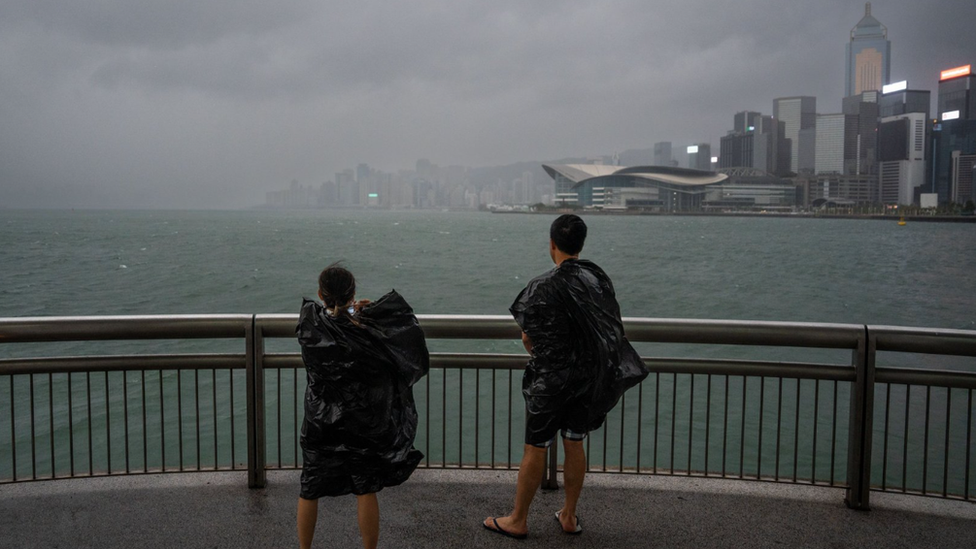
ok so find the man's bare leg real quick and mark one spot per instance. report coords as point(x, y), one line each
point(529, 479)
point(368, 509)
point(308, 512)
point(574, 470)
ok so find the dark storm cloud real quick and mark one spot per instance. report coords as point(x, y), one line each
point(176, 102)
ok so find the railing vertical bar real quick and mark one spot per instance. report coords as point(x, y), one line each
point(605, 445)
point(256, 390)
point(71, 426)
point(509, 419)
point(13, 431)
point(691, 420)
point(427, 417)
point(494, 392)
point(816, 423)
point(50, 408)
point(969, 441)
point(884, 449)
point(948, 423)
point(108, 426)
point(708, 417)
point(779, 426)
point(657, 416)
point(33, 433)
point(125, 415)
point(294, 406)
point(278, 414)
point(904, 456)
point(833, 439)
point(762, 406)
point(145, 432)
point(674, 414)
point(196, 403)
point(623, 409)
point(640, 424)
point(925, 452)
point(91, 458)
point(460, 418)
point(444, 418)
point(213, 383)
point(233, 433)
point(477, 414)
point(796, 433)
point(162, 424)
point(742, 435)
point(179, 410)
point(725, 427)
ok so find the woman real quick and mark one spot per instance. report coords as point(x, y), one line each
point(362, 360)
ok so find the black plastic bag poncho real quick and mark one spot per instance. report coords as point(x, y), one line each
point(360, 416)
point(581, 361)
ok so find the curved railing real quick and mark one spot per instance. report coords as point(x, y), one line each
point(733, 403)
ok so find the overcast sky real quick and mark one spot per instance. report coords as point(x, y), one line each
point(190, 103)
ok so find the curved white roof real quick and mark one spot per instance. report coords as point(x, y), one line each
point(579, 173)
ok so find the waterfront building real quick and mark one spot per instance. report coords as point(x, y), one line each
point(700, 157)
point(902, 158)
point(662, 154)
point(348, 188)
point(799, 117)
point(751, 189)
point(861, 133)
point(829, 149)
point(653, 188)
point(868, 56)
point(839, 189)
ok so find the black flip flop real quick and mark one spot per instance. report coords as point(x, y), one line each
point(579, 526)
point(499, 530)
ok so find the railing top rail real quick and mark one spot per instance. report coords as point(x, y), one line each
point(102, 328)
point(936, 341)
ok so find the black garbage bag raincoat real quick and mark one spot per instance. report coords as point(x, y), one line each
point(581, 361)
point(360, 416)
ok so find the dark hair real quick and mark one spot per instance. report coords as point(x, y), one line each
point(337, 286)
point(568, 232)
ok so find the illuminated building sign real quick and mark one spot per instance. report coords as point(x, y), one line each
point(714, 159)
point(693, 149)
point(897, 86)
point(951, 115)
point(752, 128)
point(374, 195)
point(958, 71)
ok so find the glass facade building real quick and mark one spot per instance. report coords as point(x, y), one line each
point(868, 56)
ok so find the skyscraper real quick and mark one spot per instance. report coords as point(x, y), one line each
point(861, 134)
point(954, 137)
point(868, 55)
point(901, 157)
point(662, 153)
point(798, 114)
point(700, 157)
point(957, 94)
point(829, 152)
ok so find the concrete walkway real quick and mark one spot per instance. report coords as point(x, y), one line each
point(445, 509)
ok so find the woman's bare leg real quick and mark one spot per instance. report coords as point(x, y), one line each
point(368, 509)
point(308, 512)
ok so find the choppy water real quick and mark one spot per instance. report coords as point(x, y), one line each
point(815, 270)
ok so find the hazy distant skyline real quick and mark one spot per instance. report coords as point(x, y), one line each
point(178, 103)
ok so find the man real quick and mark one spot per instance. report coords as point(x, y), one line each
point(581, 363)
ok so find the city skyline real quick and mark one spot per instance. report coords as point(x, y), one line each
point(159, 106)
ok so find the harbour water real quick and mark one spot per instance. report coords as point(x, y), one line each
point(149, 262)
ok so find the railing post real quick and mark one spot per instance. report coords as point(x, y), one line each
point(549, 473)
point(861, 427)
point(256, 450)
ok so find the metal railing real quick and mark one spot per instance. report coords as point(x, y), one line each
point(730, 417)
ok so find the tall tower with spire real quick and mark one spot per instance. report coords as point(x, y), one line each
point(868, 55)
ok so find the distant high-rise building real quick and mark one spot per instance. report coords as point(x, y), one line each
point(798, 114)
point(662, 153)
point(957, 94)
point(954, 136)
point(752, 144)
point(829, 150)
point(868, 56)
point(700, 157)
point(348, 188)
point(861, 133)
point(898, 99)
point(901, 155)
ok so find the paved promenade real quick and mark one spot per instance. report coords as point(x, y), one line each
point(445, 508)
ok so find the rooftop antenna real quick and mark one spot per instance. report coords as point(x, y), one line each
point(867, 9)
